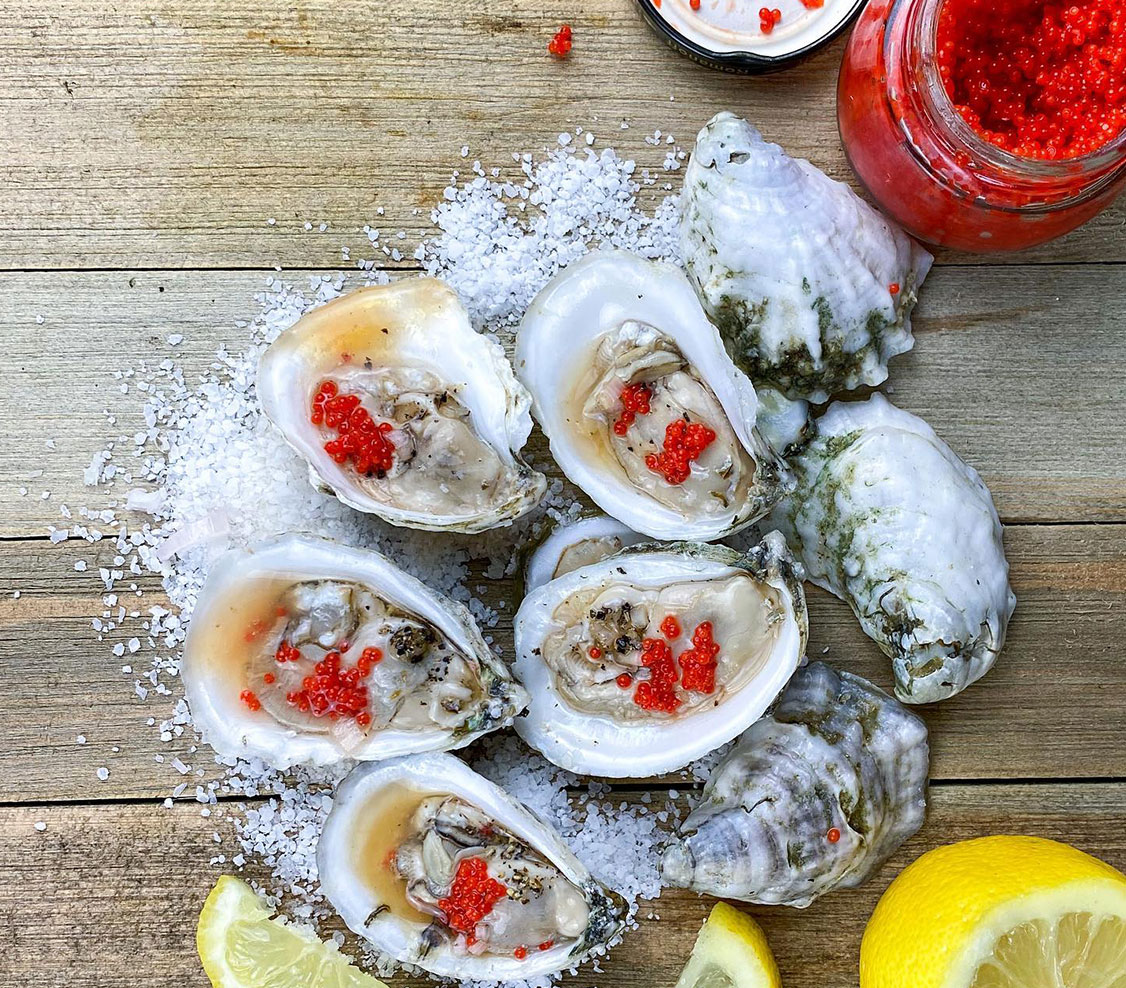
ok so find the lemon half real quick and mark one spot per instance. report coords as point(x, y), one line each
point(730, 952)
point(242, 947)
point(999, 912)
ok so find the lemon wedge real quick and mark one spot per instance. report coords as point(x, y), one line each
point(999, 912)
point(242, 947)
point(730, 952)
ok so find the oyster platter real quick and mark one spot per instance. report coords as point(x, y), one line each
point(497, 580)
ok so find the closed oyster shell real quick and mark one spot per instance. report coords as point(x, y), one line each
point(887, 517)
point(576, 544)
point(457, 417)
point(391, 845)
point(794, 268)
point(835, 755)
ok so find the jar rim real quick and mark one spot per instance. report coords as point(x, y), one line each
point(1111, 154)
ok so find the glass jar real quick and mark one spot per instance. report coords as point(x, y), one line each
point(924, 165)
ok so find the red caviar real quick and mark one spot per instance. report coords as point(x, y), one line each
point(287, 652)
point(1038, 79)
point(333, 691)
point(694, 4)
point(269, 678)
point(768, 19)
point(360, 439)
point(699, 662)
point(250, 699)
point(369, 657)
point(684, 443)
point(893, 288)
point(255, 631)
point(624, 681)
point(546, 945)
point(833, 835)
point(560, 44)
point(520, 953)
point(472, 897)
point(813, 4)
point(635, 401)
point(670, 627)
point(658, 692)
point(594, 652)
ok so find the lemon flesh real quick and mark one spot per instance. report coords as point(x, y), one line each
point(240, 946)
point(730, 952)
point(1080, 950)
point(999, 912)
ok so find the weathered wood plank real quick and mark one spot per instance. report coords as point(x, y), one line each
point(1052, 708)
point(107, 897)
point(1018, 369)
point(166, 137)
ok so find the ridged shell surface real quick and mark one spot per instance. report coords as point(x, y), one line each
point(887, 517)
point(811, 288)
point(813, 797)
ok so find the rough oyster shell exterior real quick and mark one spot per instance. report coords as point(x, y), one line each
point(794, 268)
point(837, 757)
point(887, 517)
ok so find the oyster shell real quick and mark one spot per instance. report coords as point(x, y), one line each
point(273, 614)
point(450, 415)
point(811, 288)
point(614, 330)
point(888, 518)
point(617, 692)
point(404, 836)
point(836, 758)
point(574, 545)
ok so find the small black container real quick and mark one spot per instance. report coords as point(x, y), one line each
point(730, 48)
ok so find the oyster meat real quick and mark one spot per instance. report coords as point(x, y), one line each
point(888, 518)
point(811, 288)
point(813, 797)
point(571, 546)
point(643, 408)
point(301, 650)
point(438, 867)
point(402, 410)
point(647, 659)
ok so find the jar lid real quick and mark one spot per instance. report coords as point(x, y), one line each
point(729, 34)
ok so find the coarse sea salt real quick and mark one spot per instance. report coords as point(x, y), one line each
point(209, 472)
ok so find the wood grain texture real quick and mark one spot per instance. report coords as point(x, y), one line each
point(1052, 707)
point(1019, 369)
point(164, 135)
point(107, 897)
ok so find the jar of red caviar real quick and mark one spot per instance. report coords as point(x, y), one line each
point(987, 125)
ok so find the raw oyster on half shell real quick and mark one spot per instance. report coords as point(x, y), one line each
point(574, 545)
point(813, 797)
point(811, 288)
point(301, 650)
point(642, 405)
point(887, 517)
point(402, 410)
point(647, 659)
point(438, 867)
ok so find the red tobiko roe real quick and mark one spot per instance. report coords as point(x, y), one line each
point(333, 690)
point(361, 440)
point(685, 442)
point(472, 897)
point(1039, 80)
point(635, 401)
point(560, 44)
point(699, 662)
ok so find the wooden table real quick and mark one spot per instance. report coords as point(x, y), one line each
point(145, 144)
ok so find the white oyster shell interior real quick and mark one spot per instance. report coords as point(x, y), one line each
point(811, 288)
point(613, 321)
point(399, 834)
point(452, 413)
point(574, 545)
point(271, 615)
point(592, 647)
point(891, 520)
